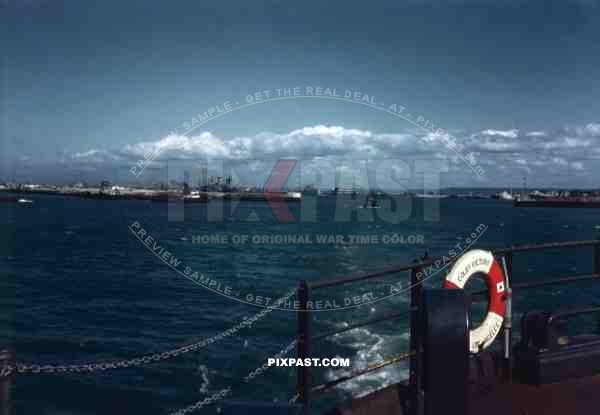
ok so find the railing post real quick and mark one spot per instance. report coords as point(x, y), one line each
point(304, 351)
point(507, 264)
point(597, 270)
point(445, 342)
point(597, 259)
point(415, 377)
point(7, 359)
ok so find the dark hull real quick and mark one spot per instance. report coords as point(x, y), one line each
point(8, 199)
point(557, 203)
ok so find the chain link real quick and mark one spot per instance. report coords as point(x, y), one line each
point(23, 368)
point(259, 371)
point(6, 370)
point(252, 375)
point(204, 402)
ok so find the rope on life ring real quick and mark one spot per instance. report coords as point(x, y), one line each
point(479, 261)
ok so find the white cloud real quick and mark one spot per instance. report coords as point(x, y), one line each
point(87, 154)
point(577, 165)
point(507, 133)
point(548, 154)
point(560, 161)
point(593, 129)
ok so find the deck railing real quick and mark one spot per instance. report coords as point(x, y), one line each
point(10, 367)
point(305, 388)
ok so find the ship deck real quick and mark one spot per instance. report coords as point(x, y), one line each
point(579, 396)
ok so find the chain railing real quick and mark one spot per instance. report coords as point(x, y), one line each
point(259, 371)
point(294, 399)
point(24, 368)
point(324, 387)
point(250, 376)
point(215, 397)
point(9, 367)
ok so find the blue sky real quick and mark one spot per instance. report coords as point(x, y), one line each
point(80, 80)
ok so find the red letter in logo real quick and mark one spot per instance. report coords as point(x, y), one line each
point(272, 190)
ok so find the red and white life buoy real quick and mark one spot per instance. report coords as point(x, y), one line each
point(478, 261)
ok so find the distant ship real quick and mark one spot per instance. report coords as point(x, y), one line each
point(558, 202)
point(505, 196)
point(373, 201)
point(321, 193)
point(18, 200)
point(196, 197)
point(25, 202)
point(431, 196)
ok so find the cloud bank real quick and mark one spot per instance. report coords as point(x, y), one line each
point(562, 157)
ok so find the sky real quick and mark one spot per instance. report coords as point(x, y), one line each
point(88, 89)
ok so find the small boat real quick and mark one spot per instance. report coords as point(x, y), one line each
point(505, 196)
point(25, 202)
point(373, 201)
point(196, 197)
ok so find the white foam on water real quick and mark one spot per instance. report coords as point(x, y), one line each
point(371, 348)
point(205, 382)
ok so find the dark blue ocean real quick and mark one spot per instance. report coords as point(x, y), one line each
point(77, 286)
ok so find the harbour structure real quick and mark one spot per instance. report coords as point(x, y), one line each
point(431, 195)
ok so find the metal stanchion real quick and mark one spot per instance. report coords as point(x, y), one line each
point(445, 344)
point(507, 267)
point(304, 351)
point(7, 359)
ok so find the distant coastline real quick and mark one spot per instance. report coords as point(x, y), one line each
point(204, 196)
point(154, 195)
point(187, 194)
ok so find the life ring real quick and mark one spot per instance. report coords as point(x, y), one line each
point(479, 261)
